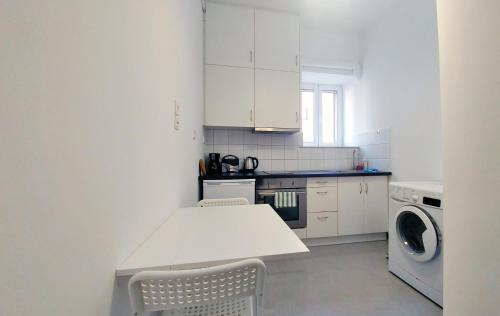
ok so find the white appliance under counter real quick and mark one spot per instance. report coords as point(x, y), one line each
point(226, 189)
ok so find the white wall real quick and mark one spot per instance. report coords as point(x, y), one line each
point(399, 88)
point(470, 80)
point(331, 48)
point(90, 163)
point(352, 99)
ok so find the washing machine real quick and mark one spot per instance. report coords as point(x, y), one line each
point(416, 236)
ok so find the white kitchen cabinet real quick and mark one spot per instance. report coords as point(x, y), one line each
point(351, 205)
point(229, 96)
point(322, 199)
point(376, 205)
point(321, 224)
point(363, 205)
point(229, 35)
point(321, 182)
point(277, 99)
point(236, 93)
point(322, 213)
point(277, 41)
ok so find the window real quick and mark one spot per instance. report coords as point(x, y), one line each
point(321, 115)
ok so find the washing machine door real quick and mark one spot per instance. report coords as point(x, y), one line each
point(417, 233)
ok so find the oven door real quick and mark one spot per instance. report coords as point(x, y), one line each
point(295, 217)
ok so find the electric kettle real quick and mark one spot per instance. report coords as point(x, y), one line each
point(250, 164)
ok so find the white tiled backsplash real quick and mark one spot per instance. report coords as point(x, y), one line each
point(276, 152)
point(376, 148)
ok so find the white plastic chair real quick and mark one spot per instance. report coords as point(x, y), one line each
point(223, 202)
point(234, 289)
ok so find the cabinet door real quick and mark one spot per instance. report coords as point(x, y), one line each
point(350, 201)
point(277, 99)
point(376, 205)
point(229, 35)
point(229, 96)
point(277, 41)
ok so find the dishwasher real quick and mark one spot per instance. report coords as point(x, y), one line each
point(227, 189)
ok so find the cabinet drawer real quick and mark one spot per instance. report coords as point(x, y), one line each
point(323, 199)
point(322, 224)
point(321, 182)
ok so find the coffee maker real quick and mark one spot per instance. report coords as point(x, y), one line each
point(214, 166)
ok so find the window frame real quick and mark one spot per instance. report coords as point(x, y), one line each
point(317, 108)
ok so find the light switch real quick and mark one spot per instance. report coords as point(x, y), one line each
point(177, 115)
point(177, 108)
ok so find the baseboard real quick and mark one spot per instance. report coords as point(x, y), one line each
point(311, 242)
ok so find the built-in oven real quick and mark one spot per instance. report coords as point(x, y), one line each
point(294, 215)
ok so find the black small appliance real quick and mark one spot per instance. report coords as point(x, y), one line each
point(214, 166)
point(230, 163)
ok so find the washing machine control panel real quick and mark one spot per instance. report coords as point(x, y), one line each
point(404, 194)
point(416, 197)
point(432, 201)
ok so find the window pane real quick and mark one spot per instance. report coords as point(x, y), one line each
point(308, 116)
point(328, 109)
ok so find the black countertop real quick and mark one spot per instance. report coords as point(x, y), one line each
point(294, 174)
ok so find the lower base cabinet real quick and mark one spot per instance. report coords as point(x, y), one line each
point(363, 205)
point(322, 224)
point(346, 206)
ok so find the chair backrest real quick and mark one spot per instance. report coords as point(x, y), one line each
point(223, 202)
point(172, 290)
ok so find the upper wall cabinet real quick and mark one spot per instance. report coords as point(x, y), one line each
point(277, 97)
point(277, 41)
point(252, 63)
point(229, 35)
point(229, 96)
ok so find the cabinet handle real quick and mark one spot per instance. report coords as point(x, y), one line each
point(296, 60)
point(322, 218)
point(322, 192)
point(251, 56)
point(366, 186)
point(360, 188)
point(251, 115)
point(321, 182)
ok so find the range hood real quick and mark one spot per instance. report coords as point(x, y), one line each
point(276, 130)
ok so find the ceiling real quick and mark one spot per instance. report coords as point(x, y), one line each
point(327, 15)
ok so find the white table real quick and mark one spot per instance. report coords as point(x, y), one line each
point(198, 237)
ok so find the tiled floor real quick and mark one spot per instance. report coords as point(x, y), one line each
point(341, 280)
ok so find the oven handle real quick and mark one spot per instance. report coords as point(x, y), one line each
point(272, 194)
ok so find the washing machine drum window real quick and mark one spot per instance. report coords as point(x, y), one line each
point(418, 235)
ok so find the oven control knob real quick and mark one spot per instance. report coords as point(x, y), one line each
point(414, 198)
